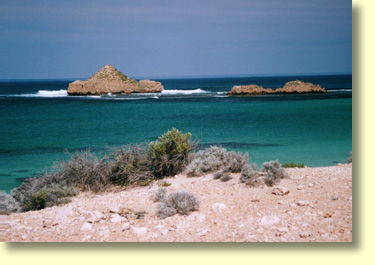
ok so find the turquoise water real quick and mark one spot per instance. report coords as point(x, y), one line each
point(40, 123)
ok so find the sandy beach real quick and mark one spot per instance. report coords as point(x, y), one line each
point(312, 205)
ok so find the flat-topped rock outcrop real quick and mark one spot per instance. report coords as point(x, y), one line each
point(292, 87)
point(109, 80)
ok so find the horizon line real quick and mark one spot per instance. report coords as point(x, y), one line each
point(185, 77)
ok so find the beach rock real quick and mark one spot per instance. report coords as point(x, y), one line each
point(292, 87)
point(109, 80)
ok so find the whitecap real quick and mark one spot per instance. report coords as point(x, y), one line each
point(184, 92)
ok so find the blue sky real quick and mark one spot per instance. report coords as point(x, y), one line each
point(73, 39)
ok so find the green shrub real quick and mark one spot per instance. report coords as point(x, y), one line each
point(38, 200)
point(273, 172)
point(169, 154)
point(293, 165)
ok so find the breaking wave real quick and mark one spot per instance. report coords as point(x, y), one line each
point(183, 92)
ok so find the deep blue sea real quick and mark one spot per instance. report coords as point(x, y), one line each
point(40, 123)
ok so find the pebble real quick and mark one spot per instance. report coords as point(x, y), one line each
point(300, 187)
point(269, 220)
point(305, 234)
point(281, 191)
point(139, 231)
point(86, 226)
point(311, 185)
point(219, 207)
point(125, 226)
point(303, 203)
point(281, 231)
point(116, 218)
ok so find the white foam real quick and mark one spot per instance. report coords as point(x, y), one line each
point(338, 90)
point(183, 92)
point(52, 93)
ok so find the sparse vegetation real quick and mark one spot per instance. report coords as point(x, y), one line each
point(130, 164)
point(248, 173)
point(160, 194)
point(293, 165)
point(223, 175)
point(215, 158)
point(273, 172)
point(181, 202)
point(169, 154)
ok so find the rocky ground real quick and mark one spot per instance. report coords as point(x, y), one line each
point(313, 205)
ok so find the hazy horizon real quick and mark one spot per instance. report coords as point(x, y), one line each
point(175, 39)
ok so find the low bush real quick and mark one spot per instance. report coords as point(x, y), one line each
point(130, 164)
point(181, 202)
point(248, 173)
point(234, 162)
point(215, 158)
point(273, 172)
point(206, 160)
point(82, 172)
point(170, 153)
point(223, 175)
point(160, 194)
point(86, 172)
point(293, 165)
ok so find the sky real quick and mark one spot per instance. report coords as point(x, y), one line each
point(73, 39)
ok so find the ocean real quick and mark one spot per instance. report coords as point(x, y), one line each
point(41, 124)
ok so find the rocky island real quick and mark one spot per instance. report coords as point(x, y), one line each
point(109, 80)
point(292, 87)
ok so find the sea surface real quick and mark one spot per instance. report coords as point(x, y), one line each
point(41, 124)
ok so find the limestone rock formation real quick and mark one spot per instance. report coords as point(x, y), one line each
point(292, 87)
point(109, 80)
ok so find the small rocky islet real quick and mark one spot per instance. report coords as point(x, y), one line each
point(110, 80)
point(292, 87)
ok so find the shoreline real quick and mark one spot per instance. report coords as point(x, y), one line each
point(316, 208)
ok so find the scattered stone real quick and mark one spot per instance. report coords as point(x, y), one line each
point(125, 226)
point(310, 185)
point(219, 207)
point(269, 220)
point(281, 231)
point(139, 231)
point(335, 198)
point(281, 191)
point(86, 227)
point(114, 210)
point(305, 234)
point(303, 203)
point(202, 232)
point(116, 218)
point(300, 187)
